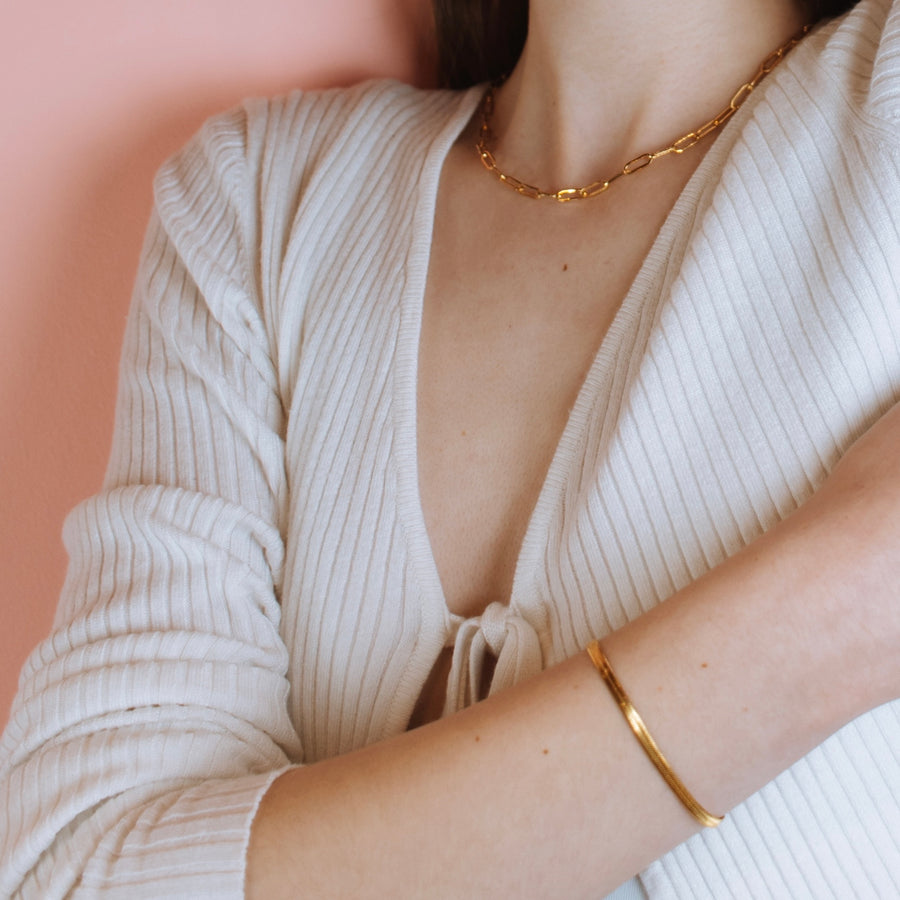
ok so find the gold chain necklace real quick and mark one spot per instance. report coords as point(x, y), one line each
point(685, 142)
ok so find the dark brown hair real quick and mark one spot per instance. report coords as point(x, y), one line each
point(480, 40)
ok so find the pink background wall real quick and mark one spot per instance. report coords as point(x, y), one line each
point(95, 95)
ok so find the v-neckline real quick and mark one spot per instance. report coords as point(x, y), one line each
point(605, 366)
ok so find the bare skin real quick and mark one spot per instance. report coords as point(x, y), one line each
point(507, 340)
point(520, 791)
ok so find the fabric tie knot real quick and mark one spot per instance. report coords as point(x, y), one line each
point(502, 634)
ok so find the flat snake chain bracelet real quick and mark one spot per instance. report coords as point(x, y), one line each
point(650, 747)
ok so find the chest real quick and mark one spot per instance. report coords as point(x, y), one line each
point(514, 313)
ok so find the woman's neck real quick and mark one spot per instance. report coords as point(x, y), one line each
point(602, 82)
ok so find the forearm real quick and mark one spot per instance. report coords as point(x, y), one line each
point(543, 790)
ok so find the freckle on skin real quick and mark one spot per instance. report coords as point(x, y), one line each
point(704, 665)
point(565, 267)
point(546, 751)
point(477, 738)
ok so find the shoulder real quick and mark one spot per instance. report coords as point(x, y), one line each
point(273, 196)
point(288, 136)
point(858, 55)
point(366, 111)
point(268, 163)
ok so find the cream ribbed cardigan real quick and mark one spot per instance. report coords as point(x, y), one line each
point(254, 586)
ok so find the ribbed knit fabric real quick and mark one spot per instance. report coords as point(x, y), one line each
point(254, 587)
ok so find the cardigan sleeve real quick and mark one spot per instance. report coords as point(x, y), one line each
point(150, 723)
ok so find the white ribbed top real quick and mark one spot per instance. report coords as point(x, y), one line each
point(254, 586)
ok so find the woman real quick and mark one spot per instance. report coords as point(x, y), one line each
point(392, 436)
